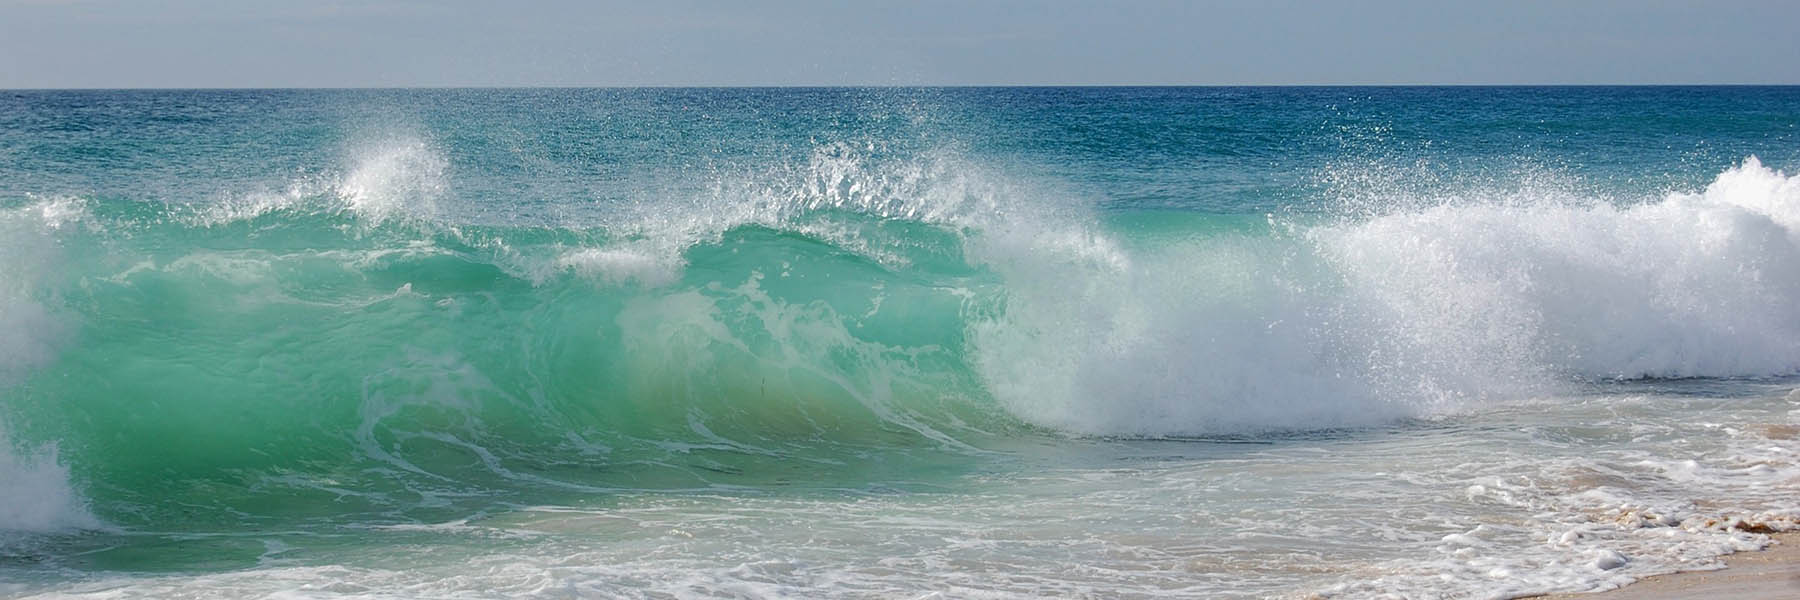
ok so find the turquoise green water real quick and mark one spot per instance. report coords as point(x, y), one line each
point(878, 343)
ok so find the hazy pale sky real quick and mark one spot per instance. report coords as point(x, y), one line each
point(383, 43)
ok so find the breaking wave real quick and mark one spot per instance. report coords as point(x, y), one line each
point(819, 315)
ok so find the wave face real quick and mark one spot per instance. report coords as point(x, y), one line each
point(429, 326)
point(852, 305)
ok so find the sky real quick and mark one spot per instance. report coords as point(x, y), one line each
point(432, 43)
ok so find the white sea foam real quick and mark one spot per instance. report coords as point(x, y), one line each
point(1408, 313)
point(1200, 339)
point(37, 496)
point(35, 491)
point(1691, 285)
point(29, 332)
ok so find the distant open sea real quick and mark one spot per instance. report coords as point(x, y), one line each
point(1460, 342)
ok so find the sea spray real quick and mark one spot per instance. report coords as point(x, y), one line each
point(402, 177)
point(29, 329)
point(1689, 285)
point(38, 495)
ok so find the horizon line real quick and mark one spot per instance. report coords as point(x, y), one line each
point(889, 86)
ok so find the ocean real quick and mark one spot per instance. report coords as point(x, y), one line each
point(1435, 342)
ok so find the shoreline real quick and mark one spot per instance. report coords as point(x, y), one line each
point(1772, 573)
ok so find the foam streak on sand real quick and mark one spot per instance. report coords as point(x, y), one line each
point(1769, 574)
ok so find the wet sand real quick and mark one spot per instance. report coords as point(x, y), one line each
point(1772, 574)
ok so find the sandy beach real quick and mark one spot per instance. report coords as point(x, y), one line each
point(1772, 574)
